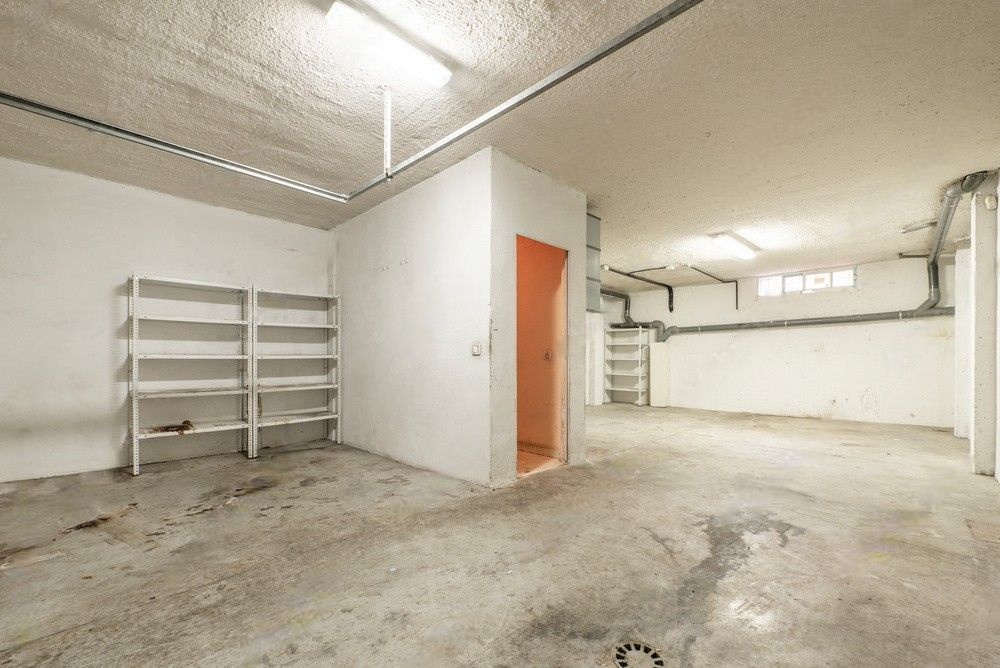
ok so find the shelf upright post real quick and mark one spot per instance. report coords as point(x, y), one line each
point(338, 376)
point(251, 415)
point(133, 366)
point(642, 371)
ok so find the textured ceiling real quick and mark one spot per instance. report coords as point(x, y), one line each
point(814, 129)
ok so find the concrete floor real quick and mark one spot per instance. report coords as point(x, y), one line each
point(721, 539)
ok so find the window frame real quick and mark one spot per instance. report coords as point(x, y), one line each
point(802, 276)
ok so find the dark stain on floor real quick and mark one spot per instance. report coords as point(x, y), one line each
point(728, 552)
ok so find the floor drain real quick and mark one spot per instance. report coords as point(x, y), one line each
point(637, 655)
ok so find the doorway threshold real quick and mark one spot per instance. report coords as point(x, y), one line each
point(528, 463)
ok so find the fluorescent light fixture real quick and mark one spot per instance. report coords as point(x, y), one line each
point(423, 65)
point(736, 246)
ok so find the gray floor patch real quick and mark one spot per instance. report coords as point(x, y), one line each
point(984, 531)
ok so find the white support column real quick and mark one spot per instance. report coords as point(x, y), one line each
point(983, 268)
point(963, 343)
point(988, 204)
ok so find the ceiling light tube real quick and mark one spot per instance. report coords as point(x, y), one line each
point(425, 66)
point(735, 246)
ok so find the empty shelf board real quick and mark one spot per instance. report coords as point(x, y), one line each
point(294, 418)
point(196, 428)
point(184, 283)
point(194, 321)
point(294, 356)
point(296, 388)
point(145, 356)
point(190, 392)
point(296, 325)
point(295, 295)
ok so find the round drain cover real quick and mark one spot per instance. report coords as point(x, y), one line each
point(637, 655)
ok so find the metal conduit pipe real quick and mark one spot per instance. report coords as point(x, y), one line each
point(952, 196)
point(658, 325)
point(628, 322)
point(639, 30)
point(807, 322)
point(928, 309)
point(614, 294)
point(643, 279)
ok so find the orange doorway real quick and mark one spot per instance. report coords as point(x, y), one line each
point(541, 356)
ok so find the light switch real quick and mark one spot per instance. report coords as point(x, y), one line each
point(477, 349)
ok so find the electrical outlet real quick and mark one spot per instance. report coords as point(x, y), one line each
point(477, 349)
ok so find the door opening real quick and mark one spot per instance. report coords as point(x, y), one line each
point(541, 356)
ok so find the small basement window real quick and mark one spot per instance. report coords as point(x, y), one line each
point(818, 281)
point(775, 286)
point(793, 283)
point(769, 287)
point(844, 278)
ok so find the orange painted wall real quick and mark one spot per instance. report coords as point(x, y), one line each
point(541, 329)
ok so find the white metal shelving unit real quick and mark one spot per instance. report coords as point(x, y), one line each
point(626, 365)
point(250, 388)
point(331, 359)
point(138, 395)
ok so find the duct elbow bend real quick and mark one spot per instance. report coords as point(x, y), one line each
point(661, 330)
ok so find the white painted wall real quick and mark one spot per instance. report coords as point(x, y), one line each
point(67, 246)
point(528, 203)
point(897, 372)
point(414, 278)
point(423, 277)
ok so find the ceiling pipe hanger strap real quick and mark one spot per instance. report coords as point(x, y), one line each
point(631, 274)
point(54, 113)
point(660, 18)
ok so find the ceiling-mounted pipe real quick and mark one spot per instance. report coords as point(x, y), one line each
point(647, 25)
point(735, 283)
point(168, 147)
point(627, 321)
point(808, 322)
point(626, 316)
point(952, 195)
point(928, 309)
point(632, 275)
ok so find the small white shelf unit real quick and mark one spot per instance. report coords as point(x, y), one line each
point(247, 385)
point(626, 365)
point(330, 359)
